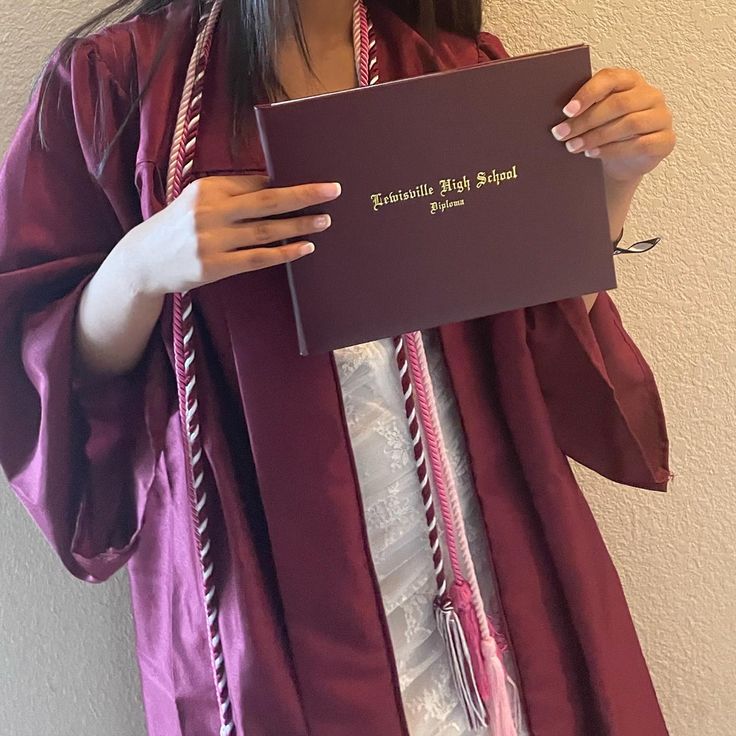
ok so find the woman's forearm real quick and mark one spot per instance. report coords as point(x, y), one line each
point(115, 318)
point(619, 195)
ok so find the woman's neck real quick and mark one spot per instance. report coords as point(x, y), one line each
point(326, 22)
point(328, 34)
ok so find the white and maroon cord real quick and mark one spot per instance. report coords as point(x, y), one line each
point(178, 176)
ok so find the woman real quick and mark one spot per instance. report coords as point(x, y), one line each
point(301, 602)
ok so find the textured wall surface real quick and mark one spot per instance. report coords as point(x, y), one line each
point(67, 648)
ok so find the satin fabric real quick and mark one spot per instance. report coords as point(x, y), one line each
point(99, 463)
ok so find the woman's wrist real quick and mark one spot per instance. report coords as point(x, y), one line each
point(618, 238)
point(128, 260)
point(619, 195)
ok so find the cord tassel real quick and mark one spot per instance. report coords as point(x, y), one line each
point(461, 665)
point(499, 706)
point(511, 687)
point(461, 597)
point(503, 707)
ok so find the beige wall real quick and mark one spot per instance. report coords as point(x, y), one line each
point(69, 646)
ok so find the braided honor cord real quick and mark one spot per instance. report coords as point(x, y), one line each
point(448, 622)
point(180, 164)
point(498, 690)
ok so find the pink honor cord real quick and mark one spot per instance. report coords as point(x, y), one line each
point(498, 690)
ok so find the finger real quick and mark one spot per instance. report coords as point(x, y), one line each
point(278, 200)
point(652, 145)
point(234, 262)
point(600, 85)
point(262, 232)
point(628, 126)
point(610, 108)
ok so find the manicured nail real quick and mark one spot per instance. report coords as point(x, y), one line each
point(593, 152)
point(574, 145)
point(306, 249)
point(322, 221)
point(572, 108)
point(560, 131)
point(331, 190)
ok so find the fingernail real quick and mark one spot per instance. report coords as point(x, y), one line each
point(593, 152)
point(560, 131)
point(331, 190)
point(574, 145)
point(306, 249)
point(571, 108)
point(323, 221)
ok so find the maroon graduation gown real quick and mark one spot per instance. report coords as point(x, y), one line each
point(99, 463)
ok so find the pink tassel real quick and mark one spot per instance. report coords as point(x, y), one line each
point(512, 690)
point(491, 676)
point(498, 705)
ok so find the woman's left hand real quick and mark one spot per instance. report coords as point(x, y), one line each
point(619, 117)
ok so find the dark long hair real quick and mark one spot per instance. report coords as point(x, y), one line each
point(254, 26)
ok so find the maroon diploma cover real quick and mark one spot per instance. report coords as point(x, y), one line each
point(457, 202)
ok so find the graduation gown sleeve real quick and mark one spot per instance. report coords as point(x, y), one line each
point(600, 393)
point(80, 452)
point(602, 399)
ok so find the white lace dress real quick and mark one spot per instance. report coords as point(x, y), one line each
point(397, 530)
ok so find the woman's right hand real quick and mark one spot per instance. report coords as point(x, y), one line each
point(217, 227)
